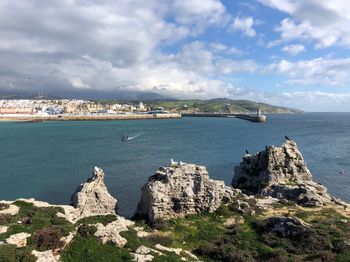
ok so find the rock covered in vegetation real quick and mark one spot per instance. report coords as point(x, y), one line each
point(287, 227)
point(92, 197)
point(280, 172)
point(180, 190)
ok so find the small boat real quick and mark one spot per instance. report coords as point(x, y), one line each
point(125, 138)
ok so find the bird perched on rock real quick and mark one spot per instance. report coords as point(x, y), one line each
point(247, 152)
point(173, 163)
point(286, 137)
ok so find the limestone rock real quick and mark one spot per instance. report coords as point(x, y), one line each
point(287, 227)
point(280, 172)
point(3, 229)
point(110, 232)
point(140, 232)
point(45, 256)
point(19, 239)
point(92, 198)
point(177, 251)
point(142, 254)
point(177, 191)
point(10, 210)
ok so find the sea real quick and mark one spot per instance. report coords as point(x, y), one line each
point(48, 160)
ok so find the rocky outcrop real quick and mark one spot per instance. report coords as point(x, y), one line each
point(180, 190)
point(287, 227)
point(110, 232)
point(280, 172)
point(92, 197)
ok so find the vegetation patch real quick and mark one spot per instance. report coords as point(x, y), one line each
point(97, 219)
point(4, 206)
point(45, 227)
point(10, 253)
point(90, 249)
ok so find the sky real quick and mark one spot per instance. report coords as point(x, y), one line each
point(285, 52)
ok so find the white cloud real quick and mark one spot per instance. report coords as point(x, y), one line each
point(320, 71)
point(282, 5)
point(294, 49)
point(78, 83)
point(111, 45)
point(199, 13)
point(221, 48)
point(323, 22)
point(245, 25)
point(317, 101)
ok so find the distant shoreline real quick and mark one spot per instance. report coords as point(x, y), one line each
point(38, 118)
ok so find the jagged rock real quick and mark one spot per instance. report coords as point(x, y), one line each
point(181, 190)
point(19, 239)
point(45, 256)
point(280, 172)
point(92, 198)
point(110, 232)
point(287, 227)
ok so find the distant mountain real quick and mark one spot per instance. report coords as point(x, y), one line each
point(221, 105)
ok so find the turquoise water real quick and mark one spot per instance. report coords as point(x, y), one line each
point(48, 160)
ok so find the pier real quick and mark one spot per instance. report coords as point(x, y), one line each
point(252, 118)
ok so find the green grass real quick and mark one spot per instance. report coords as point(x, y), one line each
point(35, 218)
point(10, 253)
point(45, 227)
point(90, 249)
point(97, 219)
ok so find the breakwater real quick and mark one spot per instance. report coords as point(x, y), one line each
point(252, 118)
point(39, 118)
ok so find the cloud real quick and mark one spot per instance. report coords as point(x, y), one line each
point(110, 45)
point(318, 101)
point(198, 14)
point(319, 71)
point(293, 49)
point(245, 25)
point(323, 22)
point(78, 83)
point(224, 49)
point(282, 5)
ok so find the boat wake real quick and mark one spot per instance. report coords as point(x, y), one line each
point(129, 138)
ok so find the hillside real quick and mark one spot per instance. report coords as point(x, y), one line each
point(221, 105)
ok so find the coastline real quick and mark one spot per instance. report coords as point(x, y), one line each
point(38, 118)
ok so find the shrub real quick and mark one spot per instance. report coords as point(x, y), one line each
point(86, 230)
point(48, 238)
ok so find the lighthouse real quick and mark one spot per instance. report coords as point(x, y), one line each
point(258, 112)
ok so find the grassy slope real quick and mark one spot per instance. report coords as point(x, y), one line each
point(209, 236)
point(221, 105)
